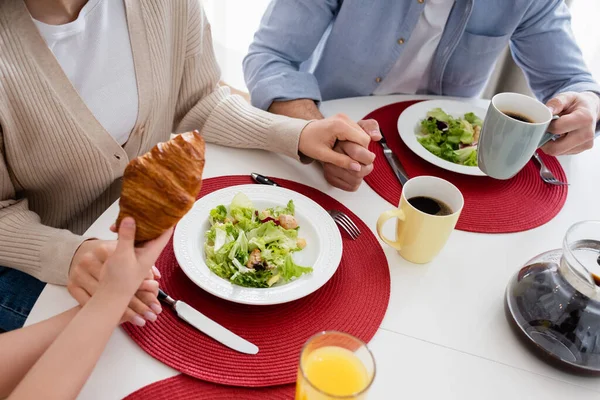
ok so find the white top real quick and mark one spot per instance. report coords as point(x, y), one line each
point(410, 74)
point(95, 53)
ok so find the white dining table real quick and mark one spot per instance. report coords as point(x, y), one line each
point(445, 334)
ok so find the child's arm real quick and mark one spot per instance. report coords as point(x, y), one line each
point(62, 370)
point(20, 349)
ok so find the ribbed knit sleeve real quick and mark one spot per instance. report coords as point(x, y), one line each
point(221, 117)
point(25, 243)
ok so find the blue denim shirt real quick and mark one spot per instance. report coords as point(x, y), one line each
point(327, 49)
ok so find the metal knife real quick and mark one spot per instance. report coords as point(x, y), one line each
point(393, 160)
point(207, 325)
point(263, 180)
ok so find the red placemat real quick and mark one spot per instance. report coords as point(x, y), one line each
point(183, 387)
point(491, 206)
point(353, 301)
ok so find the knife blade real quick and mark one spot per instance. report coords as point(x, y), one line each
point(394, 162)
point(263, 180)
point(207, 326)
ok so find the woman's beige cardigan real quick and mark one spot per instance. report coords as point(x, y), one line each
point(60, 169)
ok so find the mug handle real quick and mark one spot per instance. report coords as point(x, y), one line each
point(549, 136)
point(383, 218)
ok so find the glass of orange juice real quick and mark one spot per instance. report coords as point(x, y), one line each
point(334, 365)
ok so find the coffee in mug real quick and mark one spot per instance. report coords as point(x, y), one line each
point(430, 206)
point(426, 216)
point(518, 117)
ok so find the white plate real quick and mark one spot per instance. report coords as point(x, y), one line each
point(409, 125)
point(323, 250)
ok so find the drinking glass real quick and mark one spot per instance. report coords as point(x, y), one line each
point(334, 366)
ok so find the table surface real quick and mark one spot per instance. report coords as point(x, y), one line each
point(444, 334)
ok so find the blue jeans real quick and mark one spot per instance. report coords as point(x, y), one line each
point(18, 294)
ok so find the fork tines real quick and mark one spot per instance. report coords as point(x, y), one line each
point(345, 223)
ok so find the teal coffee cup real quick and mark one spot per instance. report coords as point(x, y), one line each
point(514, 127)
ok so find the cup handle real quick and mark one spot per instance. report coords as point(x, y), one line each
point(383, 218)
point(549, 136)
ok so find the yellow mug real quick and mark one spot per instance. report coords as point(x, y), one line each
point(421, 236)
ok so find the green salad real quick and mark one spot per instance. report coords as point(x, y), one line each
point(254, 248)
point(453, 139)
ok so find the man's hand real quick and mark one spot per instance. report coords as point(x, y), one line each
point(84, 277)
point(579, 113)
point(351, 180)
point(318, 139)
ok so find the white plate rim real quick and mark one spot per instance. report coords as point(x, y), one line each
point(328, 260)
point(409, 120)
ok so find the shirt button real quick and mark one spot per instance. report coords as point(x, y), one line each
point(401, 41)
point(421, 1)
point(378, 80)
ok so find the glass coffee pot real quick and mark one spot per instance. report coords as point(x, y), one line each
point(553, 302)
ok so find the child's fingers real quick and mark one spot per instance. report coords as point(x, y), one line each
point(126, 235)
point(149, 252)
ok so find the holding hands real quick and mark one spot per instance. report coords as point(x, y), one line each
point(342, 146)
point(350, 180)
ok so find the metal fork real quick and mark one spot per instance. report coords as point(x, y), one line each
point(345, 223)
point(547, 175)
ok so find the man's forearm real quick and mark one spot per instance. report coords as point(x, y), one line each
point(21, 349)
point(301, 108)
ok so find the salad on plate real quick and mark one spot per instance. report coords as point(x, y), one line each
point(254, 248)
point(453, 139)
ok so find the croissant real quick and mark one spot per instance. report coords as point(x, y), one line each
point(161, 186)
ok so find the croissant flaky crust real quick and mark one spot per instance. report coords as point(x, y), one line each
point(161, 186)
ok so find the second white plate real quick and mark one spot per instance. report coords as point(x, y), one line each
point(409, 125)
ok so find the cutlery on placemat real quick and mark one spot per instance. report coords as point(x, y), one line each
point(207, 325)
point(547, 175)
point(344, 222)
point(263, 180)
point(393, 160)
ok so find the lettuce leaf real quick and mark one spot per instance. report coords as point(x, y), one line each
point(439, 114)
point(430, 144)
point(428, 126)
point(275, 212)
point(290, 270)
point(467, 156)
point(218, 214)
point(473, 119)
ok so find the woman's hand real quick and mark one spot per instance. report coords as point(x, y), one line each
point(319, 138)
point(127, 267)
point(84, 277)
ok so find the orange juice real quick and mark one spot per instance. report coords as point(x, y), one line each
point(333, 370)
